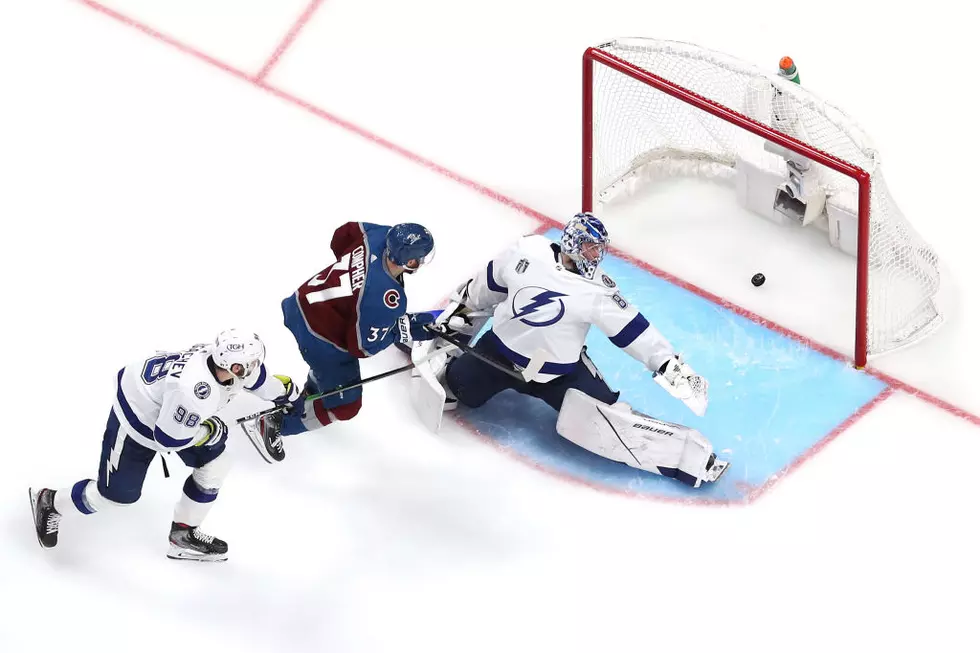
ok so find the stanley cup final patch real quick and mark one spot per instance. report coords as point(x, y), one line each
point(609, 282)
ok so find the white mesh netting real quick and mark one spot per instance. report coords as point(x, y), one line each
point(642, 133)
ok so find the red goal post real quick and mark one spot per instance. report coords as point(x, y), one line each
point(645, 95)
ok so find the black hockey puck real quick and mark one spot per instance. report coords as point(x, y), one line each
point(758, 279)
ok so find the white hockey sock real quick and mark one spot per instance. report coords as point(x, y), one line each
point(191, 510)
point(200, 491)
point(83, 497)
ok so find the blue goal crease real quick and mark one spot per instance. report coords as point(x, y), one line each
point(772, 398)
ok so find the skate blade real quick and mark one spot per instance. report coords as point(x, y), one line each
point(32, 495)
point(178, 553)
point(256, 439)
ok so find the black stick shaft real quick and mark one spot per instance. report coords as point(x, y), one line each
point(336, 391)
point(509, 371)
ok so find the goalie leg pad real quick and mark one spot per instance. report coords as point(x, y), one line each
point(618, 433)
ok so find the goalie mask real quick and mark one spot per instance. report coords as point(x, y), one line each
point(585, 241)
point(238, 352)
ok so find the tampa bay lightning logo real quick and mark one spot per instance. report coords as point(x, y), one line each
point(538, 307)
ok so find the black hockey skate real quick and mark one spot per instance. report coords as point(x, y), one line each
point(46, 518)
point(263, 433)
point(190, 543)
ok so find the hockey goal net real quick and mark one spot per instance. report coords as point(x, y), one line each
point(657, 108)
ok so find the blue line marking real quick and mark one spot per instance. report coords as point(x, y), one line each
point(771, 398)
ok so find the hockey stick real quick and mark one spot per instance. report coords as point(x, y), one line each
point(336, 391)
point(530, 370)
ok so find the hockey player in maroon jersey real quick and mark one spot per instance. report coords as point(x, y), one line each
point(350, 310)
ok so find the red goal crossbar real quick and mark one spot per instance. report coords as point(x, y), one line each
point(595, 56)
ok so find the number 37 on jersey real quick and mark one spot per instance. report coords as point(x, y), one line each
point(341, 279)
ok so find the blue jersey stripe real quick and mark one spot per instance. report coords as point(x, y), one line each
point(128, 413)
point(260, 381)
point(198, 494)
point(78, 497)
point(630, 332)
point(167, 441)
point(491, 284)
point(514, 357)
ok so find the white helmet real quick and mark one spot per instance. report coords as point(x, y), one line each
point(236, 347)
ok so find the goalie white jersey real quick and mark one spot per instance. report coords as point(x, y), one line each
point(162, 400)
point(541, 305)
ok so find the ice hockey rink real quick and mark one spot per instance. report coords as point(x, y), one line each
point(171, 168)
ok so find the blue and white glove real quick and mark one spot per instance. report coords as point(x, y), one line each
point(411, 327)
point(215, 432)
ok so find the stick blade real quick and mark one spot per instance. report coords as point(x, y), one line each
point(533, 367)
point(427, 394)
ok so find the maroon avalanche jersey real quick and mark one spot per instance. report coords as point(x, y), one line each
point(355, 303)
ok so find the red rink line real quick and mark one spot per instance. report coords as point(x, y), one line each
point(815, 449)
point(288, 39)
point(581, 482)
point(322, 113)
point(545, 221)
point(752, 494)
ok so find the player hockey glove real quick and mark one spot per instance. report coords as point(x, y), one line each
point(290, 393)
point(412, 327)
point(216, 431)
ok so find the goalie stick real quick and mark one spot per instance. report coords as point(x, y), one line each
point(429, 395)
point(530, 370)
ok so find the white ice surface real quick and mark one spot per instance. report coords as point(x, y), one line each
point(149, 200)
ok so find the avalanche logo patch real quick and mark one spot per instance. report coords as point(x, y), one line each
point(538, 307)
point(609, 282)
point(202, 390)
point(392, 297)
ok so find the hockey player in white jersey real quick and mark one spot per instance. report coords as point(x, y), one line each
point(545, 297)
point(167, 403)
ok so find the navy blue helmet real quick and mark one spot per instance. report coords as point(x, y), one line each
point(409, 242)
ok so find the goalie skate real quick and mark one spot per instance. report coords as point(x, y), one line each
point(715, 469)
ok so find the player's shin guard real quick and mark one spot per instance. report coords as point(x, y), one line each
point(617, 433)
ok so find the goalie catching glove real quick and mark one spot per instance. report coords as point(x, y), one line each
point(682, 382)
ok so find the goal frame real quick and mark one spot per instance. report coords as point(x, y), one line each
point(594, 56)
